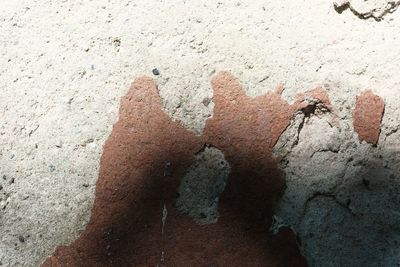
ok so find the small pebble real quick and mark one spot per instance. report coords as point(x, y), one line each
point(21, 239)
point(155, 71)
point(117, 42)
point(206, 101)
point(52, 168)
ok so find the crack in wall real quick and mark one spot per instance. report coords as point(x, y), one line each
point(377, 13)
point(313, 107)
point(330, 195)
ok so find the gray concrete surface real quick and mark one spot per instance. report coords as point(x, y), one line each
point(202, 186)
point(342, 196)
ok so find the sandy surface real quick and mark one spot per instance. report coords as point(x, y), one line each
point(65, 64)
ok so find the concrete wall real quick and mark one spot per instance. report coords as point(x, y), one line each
point(64, 65)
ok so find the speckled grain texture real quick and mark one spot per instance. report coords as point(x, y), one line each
point(64, 66)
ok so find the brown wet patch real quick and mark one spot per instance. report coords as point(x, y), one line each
point(140, 170)
point(367, 116)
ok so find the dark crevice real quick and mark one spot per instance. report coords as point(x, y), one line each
point(392, 7)
point(333, 150)
point(308, 111)
point(327, 195)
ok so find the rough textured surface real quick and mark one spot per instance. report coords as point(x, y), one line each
point(367, 116)
point(202, 186)
point(134, 220)
point(65, 64)
point(342, 196)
